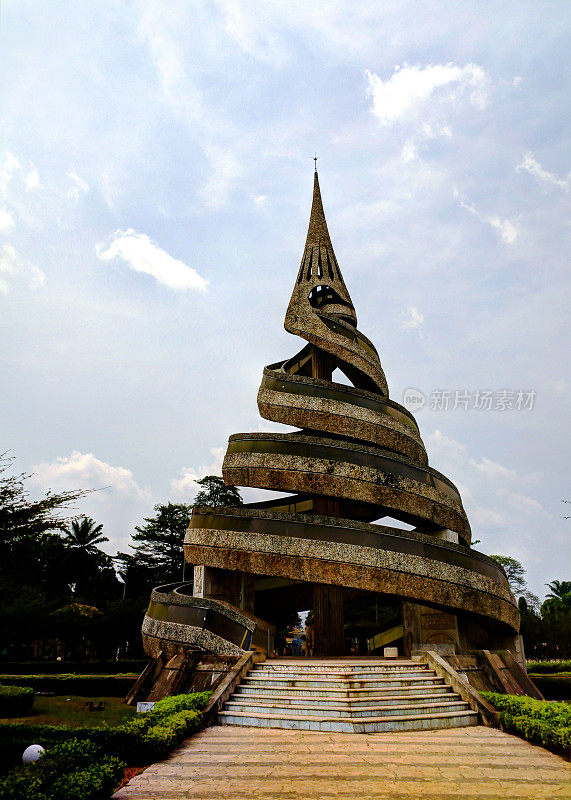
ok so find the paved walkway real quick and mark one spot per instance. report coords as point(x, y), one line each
point(227, 763)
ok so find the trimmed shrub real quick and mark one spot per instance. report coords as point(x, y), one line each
point(179, 702)
point(85, 763)
point(80, 685)
point(16, 701)
point(72, 770)
point(125, 667)
point(145, 738)
point(539, 721)
point(548, 667)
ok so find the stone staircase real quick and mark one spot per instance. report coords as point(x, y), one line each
point(351, 696)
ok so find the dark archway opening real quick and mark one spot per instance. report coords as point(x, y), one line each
point(340, 621)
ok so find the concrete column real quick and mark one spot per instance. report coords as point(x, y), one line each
point(230, 586)
point(427, 628)
point(329, 636)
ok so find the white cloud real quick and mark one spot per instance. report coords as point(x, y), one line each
point(7, 169)
point(259, 199)
point(109, 189)
point(402, 96)
point(32, 179)
point(185, 486)
point(409, 151)
point(85, 471)
point(521, 502)
point(7, 266)
point(225, 171)
point(174, 81)
point(6, 220)
point(415, 318)
point(491, 469)
point(212, 130)
point(12, 264)
point(251, 27)
point(509, 230)
point(36, 277)
point(489, 492)
point(484, 517)
point(143, 255)
point(445, 450)
point(436, 131)
point(79, 186)
point(529, 164)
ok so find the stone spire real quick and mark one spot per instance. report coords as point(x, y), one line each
point(317, 233)
point(321, 311)
point(319, 281)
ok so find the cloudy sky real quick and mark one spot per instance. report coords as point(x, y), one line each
point(155, 185)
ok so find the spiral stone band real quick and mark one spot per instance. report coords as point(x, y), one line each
point(356, 459)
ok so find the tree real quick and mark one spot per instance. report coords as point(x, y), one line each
point(158, 547)
point(90, 570)
point(38, 567)
point(559, 589)
point(515, 574)
point(32, 550)
point(158, 553)
point(558, 601)
point(216, 493)
point(85, 533)
point(21, 517)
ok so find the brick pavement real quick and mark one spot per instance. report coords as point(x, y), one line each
point(230, 763)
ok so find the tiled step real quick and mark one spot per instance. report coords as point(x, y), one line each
point(335, 711)
point(365, 697)
point(314, 682)
point(267, 696)
point(341, 663)
point(350, 694)
point(349, 724)
point(342, 671)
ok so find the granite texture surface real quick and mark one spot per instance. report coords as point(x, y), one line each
point(341, 564)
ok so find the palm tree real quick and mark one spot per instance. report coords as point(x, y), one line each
point(85, 534)
point(558, 589)
point(85, 563)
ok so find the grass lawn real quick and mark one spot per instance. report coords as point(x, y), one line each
point(71, 710)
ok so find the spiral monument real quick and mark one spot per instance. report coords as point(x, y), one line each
point(357, 458)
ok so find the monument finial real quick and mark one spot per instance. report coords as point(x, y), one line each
point(320, 309)
point(315, 157)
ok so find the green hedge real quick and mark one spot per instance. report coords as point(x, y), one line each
point(126, 666)
point(80, 685)
point(74, 767)
point(147, 737)
point(548, 667)
point(72, 770)
point(16, 701)
point(538, 721)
